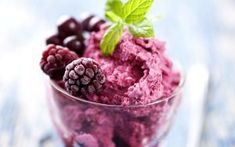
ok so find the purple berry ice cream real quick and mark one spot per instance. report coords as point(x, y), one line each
point(140, 81)
point(138, 72)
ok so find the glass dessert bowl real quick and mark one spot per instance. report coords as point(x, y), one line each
point(84, 123)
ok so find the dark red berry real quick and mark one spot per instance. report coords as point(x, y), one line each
point(92, 23)
point(83, 76)
point(54, 59)
point(68, 26)
point(85, 21)
point(75, 44)
point(54, 39)
point(95, 24)
point(80, 37)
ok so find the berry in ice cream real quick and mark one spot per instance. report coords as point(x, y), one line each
point(91, 23)
point(69, 34)
point(54, 59)
point(83, 76)
point(75, 43)
point(68, 26)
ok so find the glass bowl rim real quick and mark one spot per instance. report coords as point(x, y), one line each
point(159, 100)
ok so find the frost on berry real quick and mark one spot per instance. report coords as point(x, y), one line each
point(54, 59)
point(83, 76)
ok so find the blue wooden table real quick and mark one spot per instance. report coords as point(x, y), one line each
point(195, 31)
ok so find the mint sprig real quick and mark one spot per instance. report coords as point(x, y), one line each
point(131, 14)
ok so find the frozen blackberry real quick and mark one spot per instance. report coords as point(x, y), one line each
point(54, 59)
point(75, 44)
point(68, 26)
point(83, 76)
point(92, 23)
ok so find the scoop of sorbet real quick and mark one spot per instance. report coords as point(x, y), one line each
point(137, 73)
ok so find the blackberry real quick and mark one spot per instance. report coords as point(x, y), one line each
point(68, 26)
point(54, 60)
point(75, 44)
point(92, 23)
point(83, 76)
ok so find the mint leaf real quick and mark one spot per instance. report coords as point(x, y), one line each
point(131, 14)
point(112, 16)
point(142, 29)
point(114, 6)
point(134, 11)
point(111, 38)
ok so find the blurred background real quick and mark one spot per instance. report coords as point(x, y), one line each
point(197, 33)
